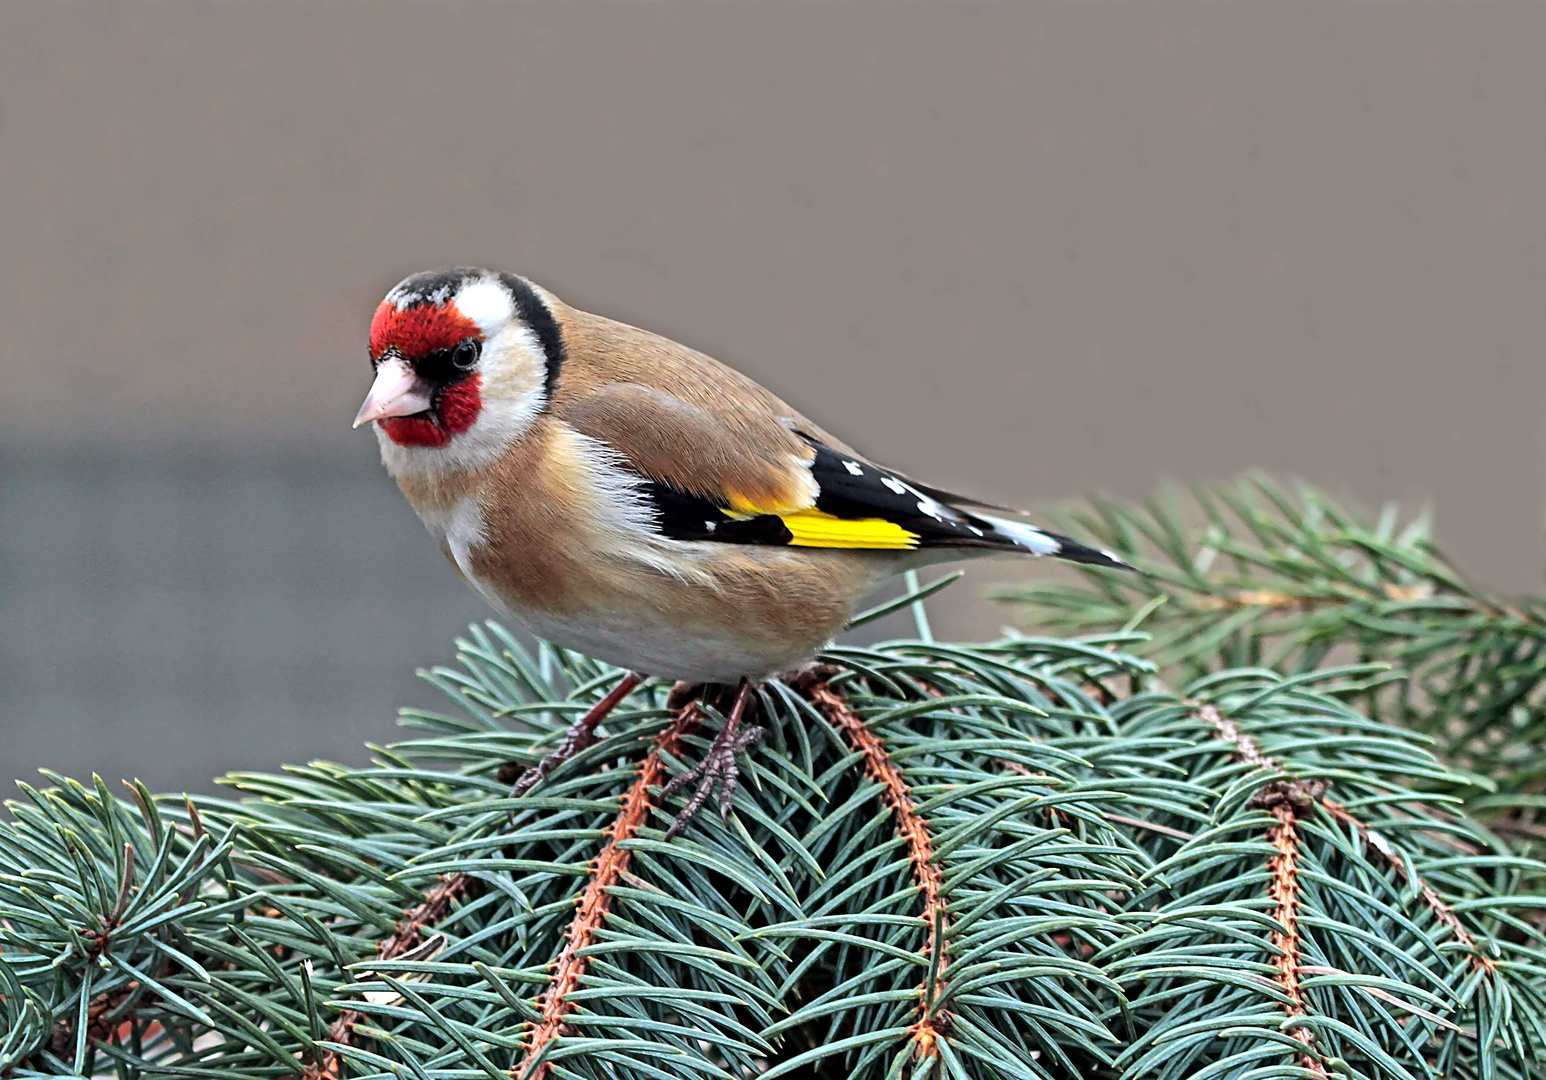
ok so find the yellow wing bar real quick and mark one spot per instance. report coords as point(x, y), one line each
point(813, 528)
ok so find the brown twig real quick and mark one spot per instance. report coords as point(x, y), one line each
point(594, 903)
point(1285, 800)
point(408, 933)
point(1247, 749)
point(1278, 600)
point(934, 1021)
point(1139, 823)
point(1284, 891)
point(1294, 798)
point(1250, 752)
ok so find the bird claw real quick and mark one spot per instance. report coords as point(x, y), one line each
point(718, 768)
point(574, 742)
point(579, 736)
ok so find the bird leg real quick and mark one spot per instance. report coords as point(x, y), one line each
point(579, 736)
point(718, 766)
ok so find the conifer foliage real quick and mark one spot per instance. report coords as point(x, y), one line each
point(1032, 859)
point(1253, 574)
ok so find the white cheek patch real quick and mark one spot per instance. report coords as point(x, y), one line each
point(512, 395)
point(486, 303)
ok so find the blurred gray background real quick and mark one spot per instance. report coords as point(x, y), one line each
point(1021, 249)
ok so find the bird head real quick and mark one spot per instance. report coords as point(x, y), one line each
point(464, 360)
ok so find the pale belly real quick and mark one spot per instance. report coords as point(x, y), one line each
point(721, 616)
point(653, 648)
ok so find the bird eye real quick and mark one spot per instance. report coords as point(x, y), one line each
point(465, 355)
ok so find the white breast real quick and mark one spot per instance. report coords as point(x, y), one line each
point(459, 529)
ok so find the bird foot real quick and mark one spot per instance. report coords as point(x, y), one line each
point(579, 736)
point(576, 739)
point(718, 767)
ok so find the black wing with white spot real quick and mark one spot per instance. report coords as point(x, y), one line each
point(851, 488)
point(861, 506)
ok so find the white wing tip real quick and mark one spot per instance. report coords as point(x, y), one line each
point(1039, 543)
point(1029, 537)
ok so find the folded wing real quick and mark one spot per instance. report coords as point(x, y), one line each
point(735, 481)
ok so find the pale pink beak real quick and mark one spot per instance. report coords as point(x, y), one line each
point(397, 391)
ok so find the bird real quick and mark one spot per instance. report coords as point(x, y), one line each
point(630, 498)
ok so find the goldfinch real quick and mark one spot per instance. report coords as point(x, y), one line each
point(624, 496)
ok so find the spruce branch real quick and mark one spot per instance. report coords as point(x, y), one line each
point(1285, 800)
point(609, 868)
point(1251, 574)
point(1283, 866)
point(1023, 859)
point(933, 1022)
point(1336, 956)
point(404, 942)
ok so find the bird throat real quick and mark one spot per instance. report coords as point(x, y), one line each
point(455, 410)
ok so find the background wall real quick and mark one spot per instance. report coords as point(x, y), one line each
point(1022, 249)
